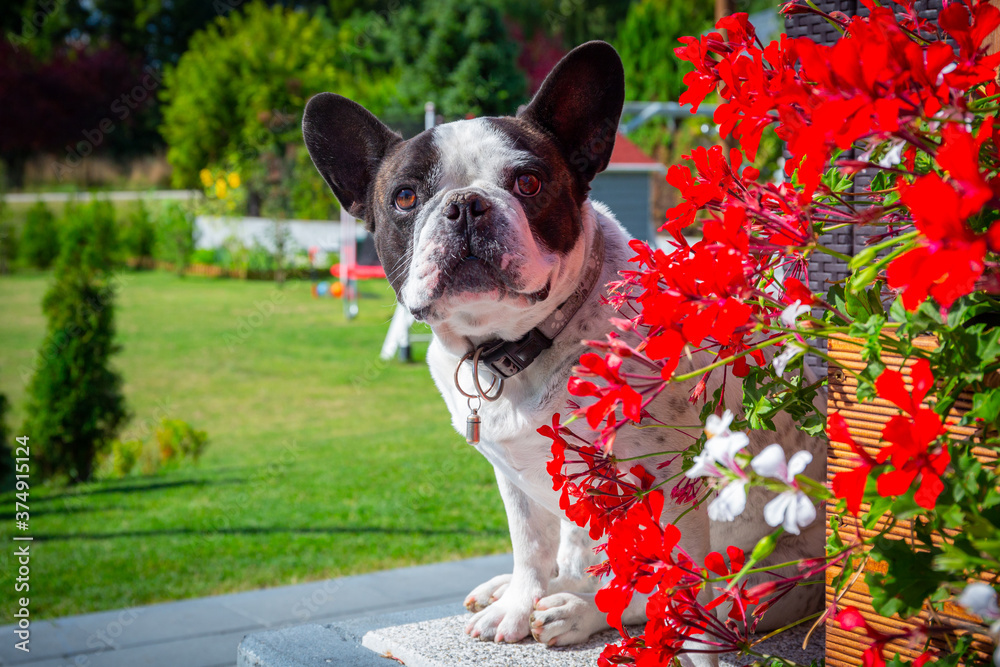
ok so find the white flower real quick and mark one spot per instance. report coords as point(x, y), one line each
point(980, 599)
point(792, 312)
point(995, 633)
point(894, 155)
point(705, 465)
point(771, 463)
point(716, 425)
point(792, 509)
point(947, 69)
point(787, 355)
point(730, 503)
point(721, 448)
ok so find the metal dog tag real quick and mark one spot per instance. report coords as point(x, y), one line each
point(472, 427)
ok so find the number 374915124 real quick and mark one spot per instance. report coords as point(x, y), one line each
point(22, 468)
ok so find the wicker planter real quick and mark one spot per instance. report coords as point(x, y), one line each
point(865, 421)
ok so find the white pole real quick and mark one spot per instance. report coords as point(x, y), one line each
point(348, 260)
point(429, 115)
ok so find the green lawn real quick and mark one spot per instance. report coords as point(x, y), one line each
point(323, 461)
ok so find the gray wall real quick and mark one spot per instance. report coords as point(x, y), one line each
point(627, 195)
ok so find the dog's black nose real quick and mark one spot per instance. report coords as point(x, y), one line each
point(472, 205)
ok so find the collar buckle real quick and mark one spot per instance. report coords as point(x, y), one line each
point(509, 357)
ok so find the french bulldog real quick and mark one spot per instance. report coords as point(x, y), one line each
point(486, 232)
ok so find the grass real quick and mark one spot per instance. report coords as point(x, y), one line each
point(323, 461)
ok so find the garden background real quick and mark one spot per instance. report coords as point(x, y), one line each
point(257, 437)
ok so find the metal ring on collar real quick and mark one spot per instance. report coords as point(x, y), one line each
point(485, 395)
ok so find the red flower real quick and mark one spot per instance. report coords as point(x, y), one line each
point(959, 157)
point(849, 484)
point(891, 387)
point(614, 392)
point(851, 619)
point(796, 291)
point(954, 19)
point(742, 599)
point(910, 455)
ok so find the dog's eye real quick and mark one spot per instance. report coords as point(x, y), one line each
point(406, 199)
point(527, 185)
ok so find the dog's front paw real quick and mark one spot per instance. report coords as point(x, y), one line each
point(483, 595)
point(564, 619)
point(506, 620)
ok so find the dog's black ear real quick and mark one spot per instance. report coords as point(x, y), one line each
point(346, 143)
point(580, 102)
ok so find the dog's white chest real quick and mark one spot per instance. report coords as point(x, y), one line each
point(508, 426)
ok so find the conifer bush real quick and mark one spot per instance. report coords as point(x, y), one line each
point(75, 400)
point(40, 238)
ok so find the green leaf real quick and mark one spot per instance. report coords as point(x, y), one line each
point(986, 405)
point(814, 424)
point(879, 505)
point(908, 582)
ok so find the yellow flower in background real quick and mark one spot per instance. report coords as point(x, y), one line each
point(206, 177)
point(220, 188)
point(234, 180)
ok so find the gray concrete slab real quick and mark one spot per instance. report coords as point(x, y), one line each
point(334, 644)
point(442, 642)
point(435, 637)
point(203, 631)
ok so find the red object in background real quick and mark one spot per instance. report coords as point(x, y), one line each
point(358, 272)
point(539, 54)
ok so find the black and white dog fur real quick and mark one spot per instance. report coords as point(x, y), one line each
point(471, 248)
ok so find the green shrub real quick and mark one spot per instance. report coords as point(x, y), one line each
point(311, 198)
point(124, 456)
point(89, 238)
point(139, 235)
point(457, 54)
point(175, 236)
point(75, 401)
point(8, 247)
point(6, 447)
point(646, 41)
point(178, 440)
point(204, 256)
point(228, 100)
point(40, 237)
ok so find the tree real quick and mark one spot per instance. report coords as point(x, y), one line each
point(75, 401)
point(175, 233)
point(40, 238)
point(646, 42)
point(229, 100)
point(459, 56)
point(104, 85)
point(575, 21)
point(139, 235)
